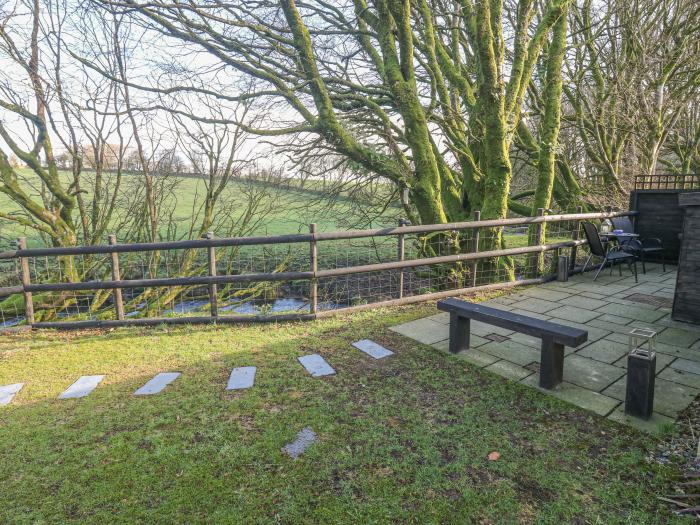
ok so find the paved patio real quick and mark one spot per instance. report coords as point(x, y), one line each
point(595, 372)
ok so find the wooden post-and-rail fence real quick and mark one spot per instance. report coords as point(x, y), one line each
point(472, 255)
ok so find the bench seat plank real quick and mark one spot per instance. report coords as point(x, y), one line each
point(566, 335)
point(554, 336)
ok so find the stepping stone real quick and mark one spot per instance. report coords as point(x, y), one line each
point(241, 378)
point(304, 440)
point(316, 365)
point(372, 349)
point(82, 387)
point(7, 392)
point(158, 383)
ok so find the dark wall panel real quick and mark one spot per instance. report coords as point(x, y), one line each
point(686, 303)
point(659, 216)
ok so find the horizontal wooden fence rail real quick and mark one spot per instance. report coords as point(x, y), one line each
point(292, 276)
point(312, 276)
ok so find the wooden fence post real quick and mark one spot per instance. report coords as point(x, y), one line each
point(538, 257)
point(401, 253)
point(575, 234)
point(475, 245)
point(213, 289)
point(116, 276)
point(313, 266)
point(26, 281)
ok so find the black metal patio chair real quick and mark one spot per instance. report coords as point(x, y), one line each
point(639, 247)
point(609, 254)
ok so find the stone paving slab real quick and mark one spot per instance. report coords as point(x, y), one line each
point(680, 376)
point(662, 361)
point(442, 318)
point(620, 337)
point(615, 319)
point(477, 357)
point(82, 387)
point(666, 321)
point(670, 398)
point(605, 350)
point(316, 365)
point(575, 314)
point(593, 401)
point(653, 425)
point(603, 289)
point(678, 337)
point(541, 292)
point(534, 342)
point(8, 392)
point(512, 351)
point(686, 365)
point(646, 288)
point(632, 312)
point(501, 306)
point(475, 341)
point(590, 374)
point(241, 378)
point(678, 351)
point(157, 384)
point(424, 331)
point(594, 333)
point(617, 299)
point(567, 287)
point(624, 330)
point(533, 304)
point(509, 370)
point(372, 349)
point(591, 295)
point(585, 302)
point(482, 329)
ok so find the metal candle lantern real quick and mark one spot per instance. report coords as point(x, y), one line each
point(641, 372)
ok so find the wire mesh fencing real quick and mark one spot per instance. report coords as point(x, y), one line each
point(279, 277)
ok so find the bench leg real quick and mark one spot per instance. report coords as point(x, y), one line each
point(551, 364)
point(459, 333)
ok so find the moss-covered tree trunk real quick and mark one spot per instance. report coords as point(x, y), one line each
point(549, 135)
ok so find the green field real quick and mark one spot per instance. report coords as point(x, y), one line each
point(402, 440)
point(282, 211)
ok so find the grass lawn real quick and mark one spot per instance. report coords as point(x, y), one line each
point(402, 440)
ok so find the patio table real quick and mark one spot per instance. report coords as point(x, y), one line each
point(621, 239)
point(620, 236)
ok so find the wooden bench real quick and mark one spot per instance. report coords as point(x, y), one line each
point(554, 336)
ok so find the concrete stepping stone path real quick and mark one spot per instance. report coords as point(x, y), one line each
point(157, 384)
point(372, 349)
point(241, 378)
point(8, 392)
point(316, 365)
point(305, 438)
point(82, 387)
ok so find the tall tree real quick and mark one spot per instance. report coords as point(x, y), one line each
point(426, 94)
